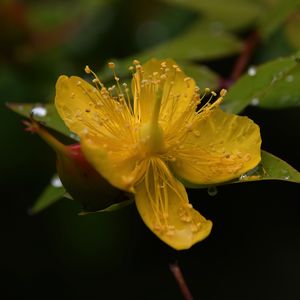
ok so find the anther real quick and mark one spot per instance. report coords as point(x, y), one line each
point(136, 62)
point(111, 65)
point(87, 69)
point(223, 92)
point(163, 64)
point(213, 93)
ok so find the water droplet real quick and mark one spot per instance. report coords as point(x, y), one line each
point(74, 136)
point(212, 191)
point(254, 102)
point(56, 182)
point(39, 111)
point(252, 71)
point(243, 177)
point(285, 174)
point(289, 78)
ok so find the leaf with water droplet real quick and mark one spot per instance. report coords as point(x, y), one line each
point(51, 194)
point(44, 113)
point(276, 84)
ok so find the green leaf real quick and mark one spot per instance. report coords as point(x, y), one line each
point(198, 42)
point(292, 30)
point(44, 113)
point(234, 14)
point(111, 208)
point(51, 194)
point(275, 84)
point(270, 168)
point(274, 16)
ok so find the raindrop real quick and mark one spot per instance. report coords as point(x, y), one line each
point(74, 136)
point(289, 78)
point(285, 174)
point(243, 177)
point(56, 182)
point(39, 111)
point(254, 102)
point(212, 191)
point(252, 71)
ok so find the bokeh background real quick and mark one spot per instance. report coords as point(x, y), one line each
point(253, 251)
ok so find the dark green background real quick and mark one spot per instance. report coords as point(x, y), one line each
point(253, 251)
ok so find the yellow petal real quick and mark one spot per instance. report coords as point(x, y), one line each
point(74, 99)
point(164, 207)
point(162, 79)
point(219, 148)
point(85, 108)
point(117, 162)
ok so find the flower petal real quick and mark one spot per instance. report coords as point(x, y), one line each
point(85, 108)
point(164, 207)
point(117, 162)
point(74, 100)
point(220, 147)
point(162, 79)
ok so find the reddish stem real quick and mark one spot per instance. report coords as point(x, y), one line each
point(243, 60)
point(177, 273)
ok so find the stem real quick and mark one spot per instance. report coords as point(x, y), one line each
point(243, 60)
point(177, 273)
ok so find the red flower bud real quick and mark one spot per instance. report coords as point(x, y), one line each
point(79, 178)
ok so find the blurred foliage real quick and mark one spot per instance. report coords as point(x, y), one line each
point(41, 40)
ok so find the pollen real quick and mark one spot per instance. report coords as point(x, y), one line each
point(111, 65)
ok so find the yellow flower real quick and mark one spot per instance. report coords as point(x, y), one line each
point(145, 145)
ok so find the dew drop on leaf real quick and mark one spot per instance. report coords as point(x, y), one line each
point(254, 102)
point(212, 191)
point(56, 182)
point(39, 111)
point(252, 71)
point(289, 78)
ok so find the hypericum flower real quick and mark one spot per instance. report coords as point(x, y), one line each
point(145, 145)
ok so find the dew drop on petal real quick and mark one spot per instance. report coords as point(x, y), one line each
point(56, 182)
point(252, 71)
point(212, 191)
point(39, 111)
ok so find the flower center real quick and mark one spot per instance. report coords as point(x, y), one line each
point(151, 133)
point(152, 138)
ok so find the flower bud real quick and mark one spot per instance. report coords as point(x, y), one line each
point(80, 179)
